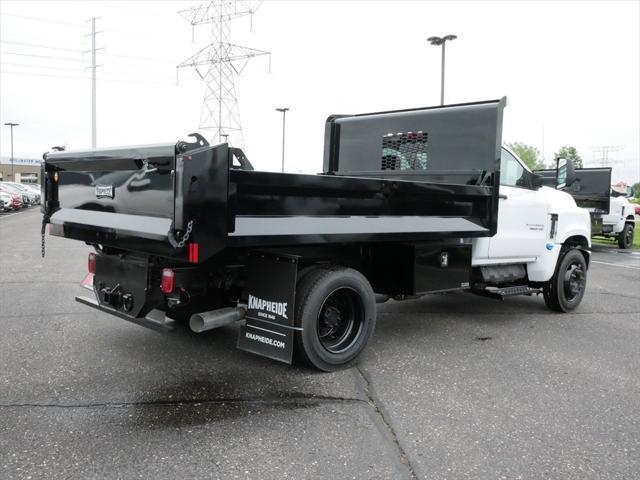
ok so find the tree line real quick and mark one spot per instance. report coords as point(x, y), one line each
point(531, 156)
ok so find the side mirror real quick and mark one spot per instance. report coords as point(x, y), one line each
point(565, 173)
point(538, 181)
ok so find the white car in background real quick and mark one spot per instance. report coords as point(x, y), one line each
point(35, 189)
point(7, 202)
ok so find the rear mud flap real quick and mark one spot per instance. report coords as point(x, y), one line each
point(271, 287)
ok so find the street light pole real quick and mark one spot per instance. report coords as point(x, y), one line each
point(440, 41)
point(284, 111)
point(13, 178)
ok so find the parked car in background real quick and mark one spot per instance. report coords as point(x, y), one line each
point(9, 187)
point(34, 190)
point(7, 202)
point(17, 201)
point(34, 195)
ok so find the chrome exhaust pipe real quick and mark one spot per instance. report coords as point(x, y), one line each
point(201, 322)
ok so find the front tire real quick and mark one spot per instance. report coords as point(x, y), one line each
point(336, 309)
point(566, 288)
point(625, 237)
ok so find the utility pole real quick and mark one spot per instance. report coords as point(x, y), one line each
point(93, 82)
point(9, 124)
point(440, 41)
point(284, 111)
point(93, 68)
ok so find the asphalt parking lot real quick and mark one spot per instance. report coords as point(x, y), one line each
point(452, 386)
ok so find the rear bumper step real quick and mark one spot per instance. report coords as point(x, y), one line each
point(501, 293)
point(155, 319)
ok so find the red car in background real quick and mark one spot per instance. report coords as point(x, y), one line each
point(16, 198)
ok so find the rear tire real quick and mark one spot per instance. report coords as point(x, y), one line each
point(336, 309)
point(625, 237)
point(566, 288)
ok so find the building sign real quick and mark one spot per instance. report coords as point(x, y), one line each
point(34, 162)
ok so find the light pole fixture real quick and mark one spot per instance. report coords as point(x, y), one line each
point(284, 111)
point(13, 178)
point(440, 41)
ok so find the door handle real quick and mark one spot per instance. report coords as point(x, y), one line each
point(502, 196)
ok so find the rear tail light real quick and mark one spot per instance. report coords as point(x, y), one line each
point(166, 285)
point(92, 263)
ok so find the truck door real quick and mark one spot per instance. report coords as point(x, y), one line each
point(522, 214)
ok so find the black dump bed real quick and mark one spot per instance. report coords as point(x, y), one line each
point(591, 190)
point(405, 175)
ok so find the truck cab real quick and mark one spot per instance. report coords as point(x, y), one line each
point(537, 225)
point(620, 222)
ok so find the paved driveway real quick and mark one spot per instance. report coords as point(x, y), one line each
point(452, 386)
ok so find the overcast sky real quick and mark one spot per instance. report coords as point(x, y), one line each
point(571, 71)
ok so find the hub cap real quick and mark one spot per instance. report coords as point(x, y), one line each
point(340, 320)
point(574, 281)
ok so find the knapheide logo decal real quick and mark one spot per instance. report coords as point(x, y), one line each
point(266, 308)
point(266, 340)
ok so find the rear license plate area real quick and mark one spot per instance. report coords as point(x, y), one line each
point(121, 282)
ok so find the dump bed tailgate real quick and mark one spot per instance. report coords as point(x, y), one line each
point(139, 198)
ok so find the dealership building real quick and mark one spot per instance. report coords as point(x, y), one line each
point(23, 170)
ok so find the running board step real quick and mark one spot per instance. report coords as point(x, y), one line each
point(501, 293)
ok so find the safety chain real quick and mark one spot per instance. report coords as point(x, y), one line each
point(45, 220)
point(172, 240)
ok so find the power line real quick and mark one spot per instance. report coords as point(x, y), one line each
point(126, 32)
point(31, 74)
point(220, 61)
point(41, 66)
point(135, 65)
point(170, 84)
point(133, 10)
point(604, 151)
point(138, 58)
point(42, 20)
point(43, 56)
point(128, 74)
point(39, 46)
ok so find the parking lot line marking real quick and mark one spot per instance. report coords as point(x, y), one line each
point(631, 267)
point(10, 215)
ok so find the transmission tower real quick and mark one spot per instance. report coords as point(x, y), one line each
point(604, 151)
point(218, 64)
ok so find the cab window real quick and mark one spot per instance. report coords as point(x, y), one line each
point(511, 172)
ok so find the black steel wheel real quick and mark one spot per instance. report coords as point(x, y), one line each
point(566, 288)
point(340, 320)
point(625, 237)
point(336, 310)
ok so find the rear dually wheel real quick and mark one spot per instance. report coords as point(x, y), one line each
point(336, 309)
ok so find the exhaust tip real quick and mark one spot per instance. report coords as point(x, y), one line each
point(196, 323)
point(203, 321)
